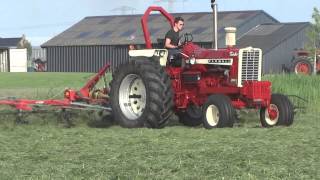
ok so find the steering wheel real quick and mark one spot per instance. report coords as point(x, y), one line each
point(185, 38)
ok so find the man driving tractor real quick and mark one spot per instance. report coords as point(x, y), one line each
point(172, 42)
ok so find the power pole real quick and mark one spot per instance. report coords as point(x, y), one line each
point(171, 4)
point(124, 10)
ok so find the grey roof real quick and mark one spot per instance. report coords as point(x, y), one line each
point(268, 36)
point(9, 42)
point(126, 29)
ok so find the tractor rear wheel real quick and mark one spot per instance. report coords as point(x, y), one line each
point(280, 112)
point(191, 117)
point(141, 94)
point(302, 66)
point(218, 112)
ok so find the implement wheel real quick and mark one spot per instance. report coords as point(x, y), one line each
point(280, 112)
point(141, 95)
point(218, 112)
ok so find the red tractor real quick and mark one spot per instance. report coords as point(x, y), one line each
point(302, 62)
point(205, 88)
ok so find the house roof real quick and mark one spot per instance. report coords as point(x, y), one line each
point(126, 29)
point(9, 42)
point(269, 36)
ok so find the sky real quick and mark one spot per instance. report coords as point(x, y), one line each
point(41, 20)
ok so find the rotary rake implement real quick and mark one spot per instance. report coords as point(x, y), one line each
point(89, 97)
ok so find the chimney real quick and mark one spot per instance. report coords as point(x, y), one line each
point(230, 36)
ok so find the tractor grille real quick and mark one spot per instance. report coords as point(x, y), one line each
point(249, 65)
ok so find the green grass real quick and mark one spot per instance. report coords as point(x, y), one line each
point(42, 80)
point(307, 87)
point(44, 149)
point(39, 85)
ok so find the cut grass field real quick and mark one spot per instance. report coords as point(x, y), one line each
point(44, 149)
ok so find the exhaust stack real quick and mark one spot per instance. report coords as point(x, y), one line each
point(214, 7)
point(230, 36)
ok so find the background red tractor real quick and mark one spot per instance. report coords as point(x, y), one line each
point(205, 87)
point(302, 62)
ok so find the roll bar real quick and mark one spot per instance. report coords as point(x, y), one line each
point(144, 22)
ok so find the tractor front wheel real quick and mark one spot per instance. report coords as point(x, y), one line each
point(279, 112)
point(218, 112)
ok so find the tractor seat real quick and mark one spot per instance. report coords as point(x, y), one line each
point(160, 43)
point(173, 59)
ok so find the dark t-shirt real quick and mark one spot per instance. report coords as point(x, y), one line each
point(174, 36)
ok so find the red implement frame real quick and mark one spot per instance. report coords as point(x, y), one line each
point(72, 99)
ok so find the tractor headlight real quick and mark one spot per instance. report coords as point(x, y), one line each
point(162, 53)
point(159, 53)
point(192, 60)
point(234, 81)
point(226, 73)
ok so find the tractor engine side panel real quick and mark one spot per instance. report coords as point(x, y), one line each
point(194, 85)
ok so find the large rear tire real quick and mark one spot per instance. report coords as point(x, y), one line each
point(141, 94)
point(218, 112)
point(191, 117)
point(280, 112)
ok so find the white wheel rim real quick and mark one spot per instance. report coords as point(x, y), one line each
point(132, 96)
point(212, 115)
point(270, 121)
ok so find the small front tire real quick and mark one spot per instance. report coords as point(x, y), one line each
point(218, 112)
point(280, 112)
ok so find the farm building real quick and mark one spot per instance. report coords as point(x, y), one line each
point(13, 57)
point(277, 42)
point(95, 41)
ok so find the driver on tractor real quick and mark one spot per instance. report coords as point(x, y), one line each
point(172, 42)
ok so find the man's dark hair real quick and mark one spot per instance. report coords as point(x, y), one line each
point(177, 19)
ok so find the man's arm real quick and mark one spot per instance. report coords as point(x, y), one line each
point(168, 44)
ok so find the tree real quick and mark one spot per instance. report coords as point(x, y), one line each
point(314, 37)
point(24, 43)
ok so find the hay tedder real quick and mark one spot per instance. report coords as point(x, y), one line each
point(87, 98)
point(200, 86)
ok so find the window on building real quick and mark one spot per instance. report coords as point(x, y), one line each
point(196, 17)
point(83, 34)
point(126, 20)
point(244, 15)
point(154, 30)
point(105, 20)
point(128, 33)
point(199, 30)
point(105, 34)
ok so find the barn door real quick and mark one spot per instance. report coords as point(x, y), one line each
point(18, 60)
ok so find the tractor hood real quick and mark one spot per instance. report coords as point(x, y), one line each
point(210, 56)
